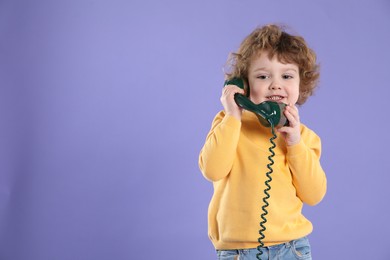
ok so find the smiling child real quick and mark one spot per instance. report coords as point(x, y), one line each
point(280, 67)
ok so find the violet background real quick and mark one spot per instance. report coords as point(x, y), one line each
point(105, 105)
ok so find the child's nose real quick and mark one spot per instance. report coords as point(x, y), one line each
point(275, 86)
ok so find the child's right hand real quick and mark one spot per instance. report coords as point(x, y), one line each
point(227, 100)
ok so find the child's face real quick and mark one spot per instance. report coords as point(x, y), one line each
point(271, 80)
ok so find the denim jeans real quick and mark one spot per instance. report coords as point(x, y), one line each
point(295, 249)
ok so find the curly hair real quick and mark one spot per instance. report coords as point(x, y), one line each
point(287, 48)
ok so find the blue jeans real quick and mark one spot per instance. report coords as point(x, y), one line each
point(295, 249)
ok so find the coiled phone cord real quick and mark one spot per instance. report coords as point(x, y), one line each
point(267, 196)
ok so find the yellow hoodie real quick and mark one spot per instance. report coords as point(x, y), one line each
point(234, 157)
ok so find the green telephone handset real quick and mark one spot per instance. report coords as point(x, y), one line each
point(270, 114)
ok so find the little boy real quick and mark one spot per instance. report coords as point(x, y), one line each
point(275, 66)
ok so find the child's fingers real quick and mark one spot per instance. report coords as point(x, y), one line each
point(229, 91)
point(232, 89)
point(292, 114)
point(293, 110)
point(227, 100)
point(285, 130)
point(291, 133)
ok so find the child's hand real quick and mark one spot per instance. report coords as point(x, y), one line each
point(227, 100)
point(291, 133)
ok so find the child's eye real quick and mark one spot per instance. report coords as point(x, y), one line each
point(263, 77)
point(286, 76)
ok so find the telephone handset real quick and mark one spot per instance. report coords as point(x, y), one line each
point(268, 112)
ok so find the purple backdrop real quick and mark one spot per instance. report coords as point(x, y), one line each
point(104, 106)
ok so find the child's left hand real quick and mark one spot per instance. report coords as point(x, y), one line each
point(291, 133)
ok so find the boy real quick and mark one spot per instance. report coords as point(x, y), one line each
point(279, 67)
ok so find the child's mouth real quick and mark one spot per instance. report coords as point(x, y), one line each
point(275, 98)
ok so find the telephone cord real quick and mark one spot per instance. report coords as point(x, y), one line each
point(267, 195)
